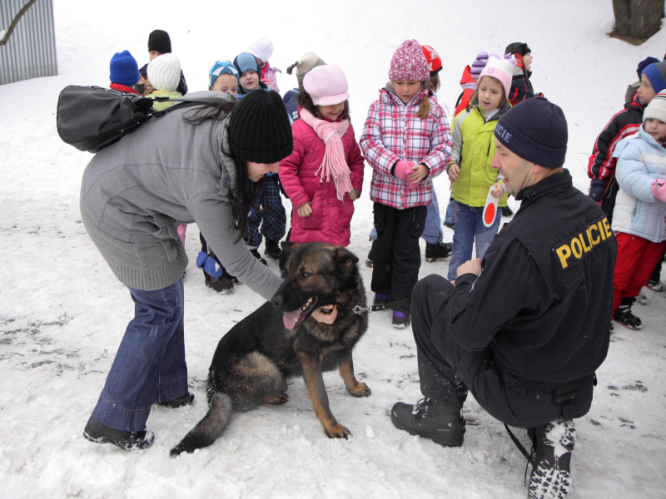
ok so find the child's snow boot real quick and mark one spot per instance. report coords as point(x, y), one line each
point(623, 315)
point(437, 251)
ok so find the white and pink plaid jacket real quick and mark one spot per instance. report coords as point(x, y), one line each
point(392, 133)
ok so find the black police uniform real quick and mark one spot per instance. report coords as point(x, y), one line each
point(528, 333)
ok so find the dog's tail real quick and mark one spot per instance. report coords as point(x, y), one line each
point(210, 427)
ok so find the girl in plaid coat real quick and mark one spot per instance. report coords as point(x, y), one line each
point(407, 141)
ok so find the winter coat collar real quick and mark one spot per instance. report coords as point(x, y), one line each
point(635, 104)
point(646, 137)
point(496, 116)
point(555, 182)
point(123, 88)
point(388, 95)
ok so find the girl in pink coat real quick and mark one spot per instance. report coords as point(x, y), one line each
point(323, 176)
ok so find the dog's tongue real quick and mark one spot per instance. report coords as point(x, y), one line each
point(291, 318)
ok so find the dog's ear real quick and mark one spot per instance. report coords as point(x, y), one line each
point(287, 249)
point(345, 259)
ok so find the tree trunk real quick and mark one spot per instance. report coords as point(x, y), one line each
point(639, 19)
point(15, 21)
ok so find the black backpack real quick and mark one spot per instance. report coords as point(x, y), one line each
point(92, 118)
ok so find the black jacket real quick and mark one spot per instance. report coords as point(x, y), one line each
point(521, 88)
point(542, 302)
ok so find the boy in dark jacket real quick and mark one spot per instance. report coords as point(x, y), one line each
point(521, 87)
point(159, 43)
point(601, 166)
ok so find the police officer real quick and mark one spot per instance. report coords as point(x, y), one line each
point(526, 327)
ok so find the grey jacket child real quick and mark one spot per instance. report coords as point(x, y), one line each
point(136, 192)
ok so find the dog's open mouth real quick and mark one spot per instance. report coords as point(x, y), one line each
point(293, 319)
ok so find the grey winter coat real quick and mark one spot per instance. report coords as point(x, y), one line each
point(137, 191)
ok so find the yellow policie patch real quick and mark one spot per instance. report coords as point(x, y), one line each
point(575, 249)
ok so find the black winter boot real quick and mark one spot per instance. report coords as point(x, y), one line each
point(551, 471)
point(442, 422)
point(224, 285)
point(272, 250)
point(437, 251)
point(623, 315)
point(179, 402)
point(127, 440)
point(256, 254)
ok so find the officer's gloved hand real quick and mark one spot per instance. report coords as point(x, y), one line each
point(597, 189)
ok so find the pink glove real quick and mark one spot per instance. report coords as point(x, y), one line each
point(402, 169)
point(658, 189)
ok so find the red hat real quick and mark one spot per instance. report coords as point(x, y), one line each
point(434, 62)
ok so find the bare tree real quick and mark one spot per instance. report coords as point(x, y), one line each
point(637, 20)
point(15, 21)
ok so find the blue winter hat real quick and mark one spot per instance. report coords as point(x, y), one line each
point(124, 69)
point(221, 68)
point(536, 130)
point(656, 73)
point(245, 61)
point(644, 64)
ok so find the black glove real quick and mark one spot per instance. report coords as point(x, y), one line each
point(597, 189)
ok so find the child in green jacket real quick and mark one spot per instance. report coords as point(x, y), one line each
point(469, 170)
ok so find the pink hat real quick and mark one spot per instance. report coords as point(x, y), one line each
point(326, 85)
point(409, 63)
point(501, 69)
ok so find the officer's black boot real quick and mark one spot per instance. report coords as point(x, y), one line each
point(441, 422)
point(551, 472)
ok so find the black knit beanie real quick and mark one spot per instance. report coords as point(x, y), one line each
point(159, 41)
point(259, 128)
point(536, 130)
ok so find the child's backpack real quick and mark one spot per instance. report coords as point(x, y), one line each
point(92, 118)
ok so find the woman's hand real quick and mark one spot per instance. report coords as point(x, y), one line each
point(353, 195)
point(304, 210)
point(453, 171)
point(498, 189)
point(326, 314)
point(419, 172)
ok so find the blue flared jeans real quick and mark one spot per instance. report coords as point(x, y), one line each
point(150, 364)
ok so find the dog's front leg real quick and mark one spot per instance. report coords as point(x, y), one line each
point(354, 387)
point(314, 381)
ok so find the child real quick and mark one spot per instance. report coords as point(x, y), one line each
point(601, 165)
point(249, 70)
point(159, 43)
point(640, 209)
point(271, 220)
point(521, 87)
point(469, 79)
point(407, 142)
point(164, 76)
point(124, 72)
point(262, 49)
point(324, 147)
point(469, 170)
point(633, 88)
point(224, 77)
point(304, 65)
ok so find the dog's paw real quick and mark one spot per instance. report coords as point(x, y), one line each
point(361, 390)
point(276, 398)
point(337, 431)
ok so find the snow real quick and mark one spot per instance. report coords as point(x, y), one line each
point(62, 312)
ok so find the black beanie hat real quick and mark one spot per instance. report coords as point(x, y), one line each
point(159, 41)
point(536, 130)
point(259, 128)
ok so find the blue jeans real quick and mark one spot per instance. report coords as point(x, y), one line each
point(450, 217)
point(469, 225)
point(150, 364)
point(432, 232)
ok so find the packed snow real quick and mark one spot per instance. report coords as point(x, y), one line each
point(63, 313)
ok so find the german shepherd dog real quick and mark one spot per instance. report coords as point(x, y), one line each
point(280, 340)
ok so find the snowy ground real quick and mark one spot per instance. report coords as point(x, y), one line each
point(62, 313)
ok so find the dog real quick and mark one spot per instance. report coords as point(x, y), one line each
point(280, 340)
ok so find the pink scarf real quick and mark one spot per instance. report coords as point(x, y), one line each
point(334, 163)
